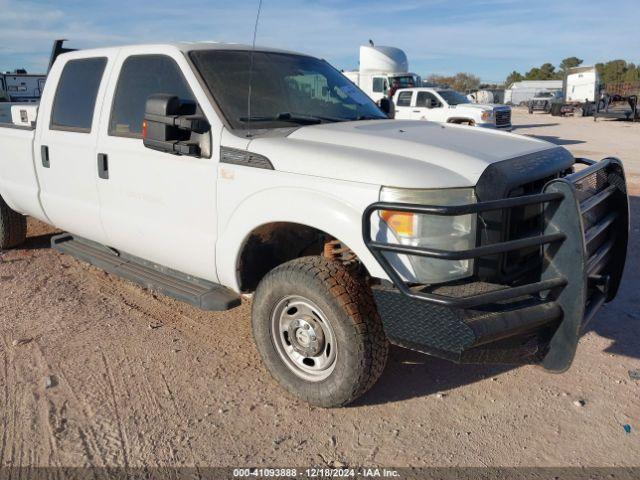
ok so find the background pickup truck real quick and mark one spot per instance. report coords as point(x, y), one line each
point(349, 230)
point(448, 106)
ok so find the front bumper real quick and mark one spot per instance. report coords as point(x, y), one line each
point(582, 244)
point(508, 127)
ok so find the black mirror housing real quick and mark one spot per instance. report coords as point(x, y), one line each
point(170, 125)
point(386, 105)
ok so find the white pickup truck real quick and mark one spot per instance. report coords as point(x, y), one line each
point(348, 229)
point(448, 106)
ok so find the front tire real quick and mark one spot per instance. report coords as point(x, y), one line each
point(318, 331)
point(13, 227)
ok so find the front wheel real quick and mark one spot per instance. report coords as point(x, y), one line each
point(318, 331)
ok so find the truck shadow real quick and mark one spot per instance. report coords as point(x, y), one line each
point(411, 374)
point(619, 321)
point(556, 140)
point(38, 242)
point(534, 125)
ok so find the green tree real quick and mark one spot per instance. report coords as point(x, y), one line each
point(617, 71)
point(570, 62)
point(513, 77)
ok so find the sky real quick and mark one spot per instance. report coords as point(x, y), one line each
point(489, 38)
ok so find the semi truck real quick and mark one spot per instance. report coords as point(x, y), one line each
point(380, 69)
point(171, 166)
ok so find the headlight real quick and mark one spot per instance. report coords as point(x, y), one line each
point(487, 115)
point(433, 231)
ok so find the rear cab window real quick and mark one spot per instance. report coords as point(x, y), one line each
point(75, 99)
point(140, 77)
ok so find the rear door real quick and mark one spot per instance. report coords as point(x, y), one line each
point(65, 147)
point(404, 110)
point(155, 205)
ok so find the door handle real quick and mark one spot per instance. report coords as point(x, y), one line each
point(103, 166)
point(44, 156)
point(416, 111)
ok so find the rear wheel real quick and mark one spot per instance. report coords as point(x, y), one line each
point(318, 331)
point(13, 227)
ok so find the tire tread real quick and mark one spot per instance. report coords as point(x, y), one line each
point(354, 296)
point(13, 227)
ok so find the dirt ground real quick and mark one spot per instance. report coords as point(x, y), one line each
point(95, 371)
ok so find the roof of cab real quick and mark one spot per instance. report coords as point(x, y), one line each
point(182, 46)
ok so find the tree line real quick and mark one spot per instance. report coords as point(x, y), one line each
point(461, 82)
point(614, 71)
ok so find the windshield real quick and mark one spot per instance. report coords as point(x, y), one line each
point(545, 94)
point(452, 97)
point(404, 81)
point(287, 90)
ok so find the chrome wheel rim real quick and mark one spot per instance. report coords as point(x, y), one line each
point(304, 338)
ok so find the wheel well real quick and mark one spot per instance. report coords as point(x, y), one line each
point(461, 121)
point(276, 243)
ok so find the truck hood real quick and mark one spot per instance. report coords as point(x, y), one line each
point(480, 107)
point(408, 154)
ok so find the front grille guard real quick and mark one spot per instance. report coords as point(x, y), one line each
point(584, 244)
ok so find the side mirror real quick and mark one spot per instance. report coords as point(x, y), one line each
point(172, 125)
point(386, 105)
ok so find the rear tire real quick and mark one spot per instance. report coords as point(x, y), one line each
point(13, 227)
point(318, 331)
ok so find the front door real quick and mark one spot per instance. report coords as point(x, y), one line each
point(155, 205)
point(429, 107)
point(404, 110)
point(65, 148)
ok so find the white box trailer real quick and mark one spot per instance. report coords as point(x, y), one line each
point(581, 85)
point(521, 92)
point(379, 68)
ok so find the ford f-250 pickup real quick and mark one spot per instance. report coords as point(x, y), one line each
point(350, 230)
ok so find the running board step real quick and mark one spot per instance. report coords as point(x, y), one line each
point(195, 291)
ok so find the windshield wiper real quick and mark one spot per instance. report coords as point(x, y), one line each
point(290, 117)
point(370, 117)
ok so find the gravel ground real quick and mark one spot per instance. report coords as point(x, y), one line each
point(98, 372)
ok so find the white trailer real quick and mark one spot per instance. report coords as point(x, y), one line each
point(581, 85)
point(379, 68)
point(522, 92)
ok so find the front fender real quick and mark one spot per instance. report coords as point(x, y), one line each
point(330, 212)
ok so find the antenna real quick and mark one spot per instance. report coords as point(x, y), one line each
point(253, 47)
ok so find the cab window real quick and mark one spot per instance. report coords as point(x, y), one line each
point(379, 84)
point(404, 99)
point(140, 77)
point(423, 97)
point(76, 94)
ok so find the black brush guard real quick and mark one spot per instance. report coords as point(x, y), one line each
point(583, 244)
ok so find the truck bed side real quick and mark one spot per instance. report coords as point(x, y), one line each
point(18, 181)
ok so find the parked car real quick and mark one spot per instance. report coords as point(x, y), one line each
point(543, 101)
point(448, 106)
point(349, 230)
